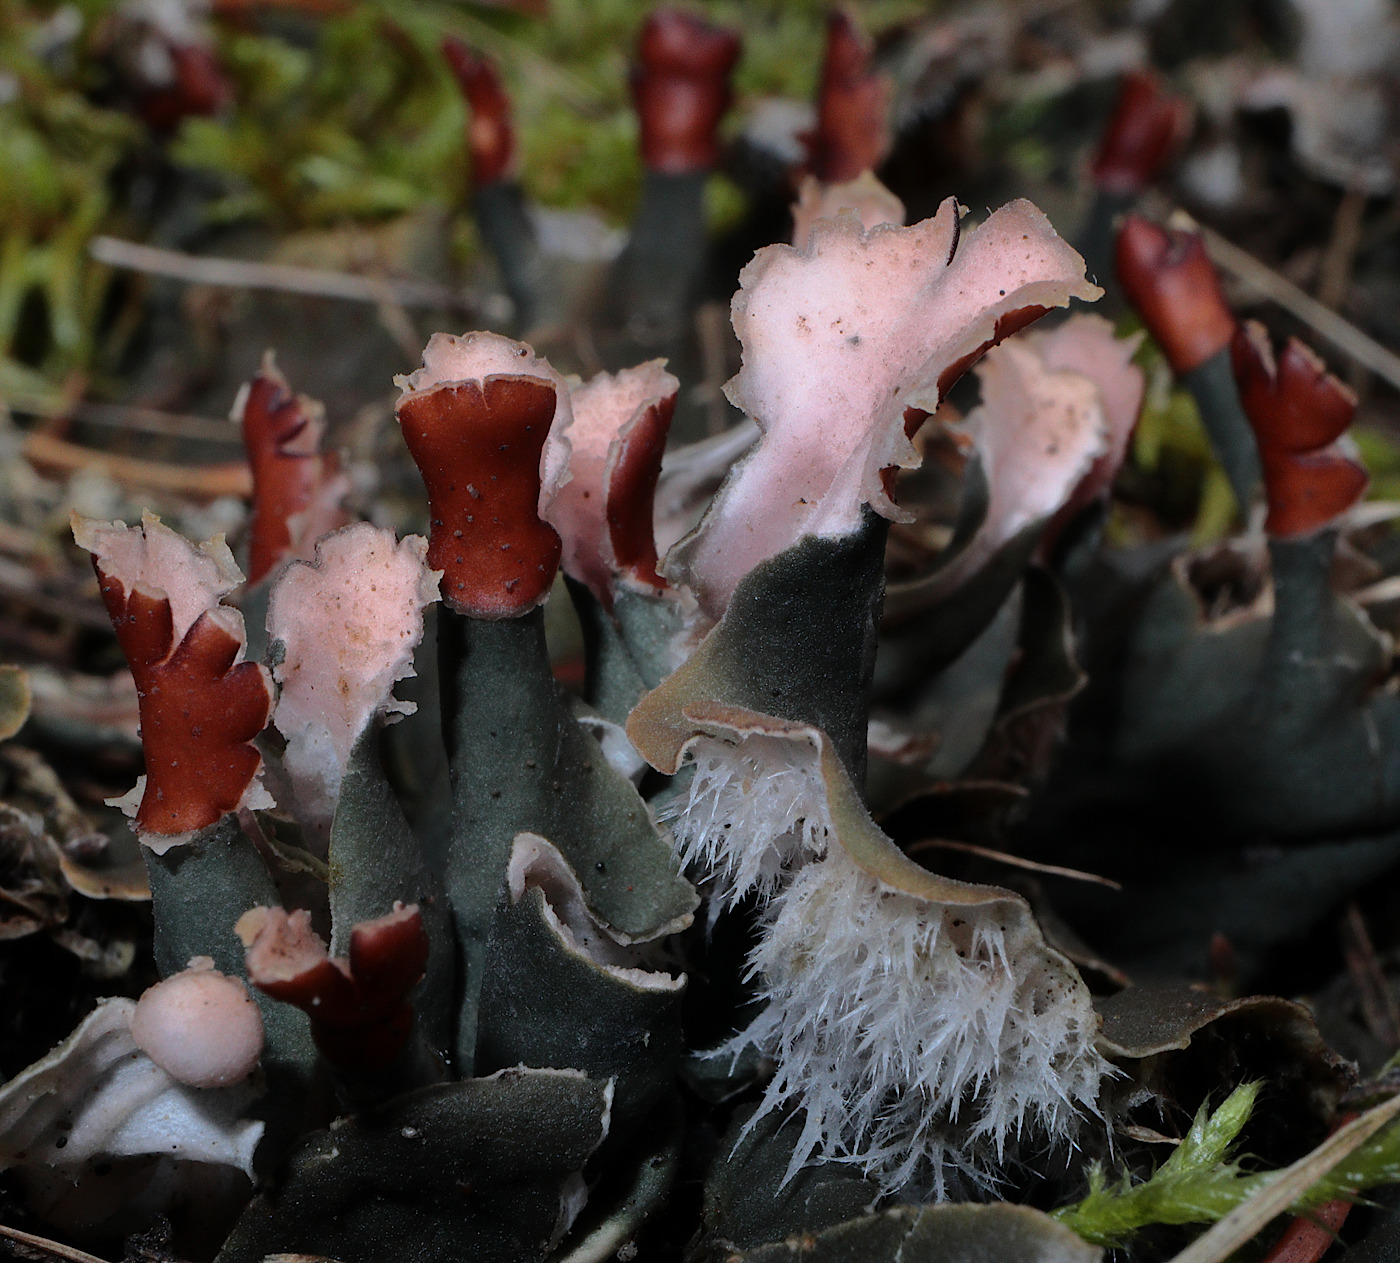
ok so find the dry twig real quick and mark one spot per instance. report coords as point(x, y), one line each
point(118, 416)
point(199, 482)
point(1335, 271)
point(284, 278)
point(1378, 1005)
point(1015, 861)
point(42, 1247)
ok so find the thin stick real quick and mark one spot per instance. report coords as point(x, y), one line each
point(120, 416)
point(1242, 1223)
point(204, 482)
point(1016, 861)
point(1337, 261)
point(1341, 333)
point(1378, 1005)
point(242, 274)
point(54, 1249)
point(712, 330)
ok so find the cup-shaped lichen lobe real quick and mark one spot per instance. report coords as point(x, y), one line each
point(477, 419)
point(852, 135)
point(1145, 131)
point(681, 89)
point(361, 1015)
point(1168, 277)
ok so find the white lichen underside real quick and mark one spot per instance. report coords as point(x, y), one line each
point(1038, 432)
point(98, 1096)
point(1086, 344)
point(919, 1038)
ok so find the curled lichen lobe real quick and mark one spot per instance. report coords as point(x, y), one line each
point(360, 1008)
point(200, 1026)
point(1298, 411)
point(605, 511)
point(200, 705)
point(281, 433)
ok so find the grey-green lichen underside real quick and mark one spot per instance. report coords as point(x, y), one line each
point(797, 642)
point(521, 763)
point(375, 860)
point(1273, 721)
point(543, 1003)
point(470, 1170)
point(944, 1233)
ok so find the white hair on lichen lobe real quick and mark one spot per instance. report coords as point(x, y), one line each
point(756, 811)
point(923, 1038)
point(920, 1038)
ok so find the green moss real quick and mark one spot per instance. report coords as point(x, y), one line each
point(1203, 1180)
point(350, 118)
point(364, 125)
point(1199, 1183)
point(58, 152)
point(725, 204)
point(1380, 453)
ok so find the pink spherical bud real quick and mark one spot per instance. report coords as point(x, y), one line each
point(200, 1026)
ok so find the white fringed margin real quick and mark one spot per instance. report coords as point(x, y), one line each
point(920, 1038)
point(756, 811)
